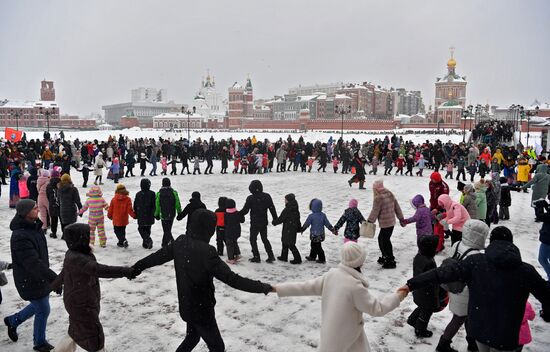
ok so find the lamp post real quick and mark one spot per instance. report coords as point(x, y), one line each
point(521, 115)
point(188, 113)
point(465, 114)
point(16, 114)
point(342, 111)
point(529, 114)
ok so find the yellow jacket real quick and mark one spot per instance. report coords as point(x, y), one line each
point(498, 155)
point(523, 171)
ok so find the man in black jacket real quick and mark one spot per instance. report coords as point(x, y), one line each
point(499, 284)
point(258, 203)
point(144, 207)
point(31, 273)
point(196, 264)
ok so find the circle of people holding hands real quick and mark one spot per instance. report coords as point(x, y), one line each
point(486, 287)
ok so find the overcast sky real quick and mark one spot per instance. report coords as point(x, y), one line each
point(97, 51)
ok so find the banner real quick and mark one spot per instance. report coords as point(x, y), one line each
point(13, 135)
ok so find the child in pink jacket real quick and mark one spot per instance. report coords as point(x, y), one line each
point(524, 331)
point(455, 215)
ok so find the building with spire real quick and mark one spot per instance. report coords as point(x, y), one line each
point(450, 95)
point(241, 103)
point(208, 101)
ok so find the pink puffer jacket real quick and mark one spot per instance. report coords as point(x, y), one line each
point(524, 331)
point(41, 185)
point(456, 213)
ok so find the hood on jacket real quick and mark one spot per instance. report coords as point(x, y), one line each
point(435, 177)
point(256, 187)
point(19, 222)
point(44, 173)
point(202, 225)
point(121, 189)
point(469, 188)
point(195, 197)
point(474, 233)
point(77, 237)
point(229, 203)
point(503, 254)
point(166, 182)
point(417, 201)
point(542, 169)
point(33, 172)
point(316, 205)
point(427, 246)
point(94, 191)
point(145, 184)
point(221, 203)
point(445, 201)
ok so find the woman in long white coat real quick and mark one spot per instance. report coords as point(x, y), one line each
point(98, 168)
point(345, 297)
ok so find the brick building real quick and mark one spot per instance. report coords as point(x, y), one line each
point(450, 95)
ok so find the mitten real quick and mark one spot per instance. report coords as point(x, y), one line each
point(180, 216)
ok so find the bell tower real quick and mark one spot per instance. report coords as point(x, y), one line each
point(47, 91)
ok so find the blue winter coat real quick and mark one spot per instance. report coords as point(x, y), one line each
point(318, 221)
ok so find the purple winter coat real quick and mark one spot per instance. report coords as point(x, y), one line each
point(422, 217)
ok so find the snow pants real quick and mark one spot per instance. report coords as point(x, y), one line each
point(99, 224)
point(209, 332)
point(262, 231)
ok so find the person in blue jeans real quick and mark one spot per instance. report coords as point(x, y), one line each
point(543, 214)
point(31, 272)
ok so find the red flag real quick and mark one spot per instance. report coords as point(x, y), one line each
point(13, 135)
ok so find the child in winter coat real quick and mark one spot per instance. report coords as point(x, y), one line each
point(290, 218)
point(353, 219)
point(86, 167)
point(456, 215)
point(220, 227)
point(119, 210)
point(31, 183)
point(410, 165)
point(43, 204)
point(163, 165)
point(318, 221)
point(481, 199)
point(388, 162)
point(244, 165)
point(505, 198)
point(115, 169)
point(144, 208)
point(197, 165)
point(232, 231)
point(174, 166)
point(95, 203)
point(469, 201)
point(422, 217)
point(335, 163)
point(310, 162)
point(472, 169)
point(81, 290)
point(426, 299)
point(524, 331)
point(374, 165)
point(400, 163)
point(23, 188)
point(143, 163)
point(421, 163)
point(167, 207)
point(236, 164)
point(450, 167)
point(460, 167)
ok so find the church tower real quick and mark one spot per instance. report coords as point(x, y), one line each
point(47, 91)
point(450, 94)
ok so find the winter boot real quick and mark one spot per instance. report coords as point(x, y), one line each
point(296, 261)
point(281, 258)
point(45, 347)
point(270, 259)
point(255, 260)
point(389, 264)
point(381, 260)
point(349, 183)
point(444, 346)
point(421, 328)
point(12, 330)
point(310, 259)
point(361, 183)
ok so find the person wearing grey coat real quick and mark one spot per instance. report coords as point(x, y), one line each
point(539, 183)
point(470, 201)
point(474, 235)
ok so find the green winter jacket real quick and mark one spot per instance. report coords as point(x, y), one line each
point(481, 202)
point(540, 183)
point(161, 203)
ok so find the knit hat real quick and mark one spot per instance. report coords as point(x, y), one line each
point(501, 233)
point(290, 197)
point(353, 203)
point(45, 173)
point(166, 182)
point(54, 174)
point(24, 206)
point(435, 177)
point(378, 185)
point(353, 255)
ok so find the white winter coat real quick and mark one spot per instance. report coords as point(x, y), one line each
point(345, 298)
point(99, 166)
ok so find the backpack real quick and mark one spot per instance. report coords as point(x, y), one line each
point(455, 286)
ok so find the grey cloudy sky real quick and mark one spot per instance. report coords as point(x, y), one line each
point(96, 51)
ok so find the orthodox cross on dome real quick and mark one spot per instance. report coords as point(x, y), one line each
point(452, 49)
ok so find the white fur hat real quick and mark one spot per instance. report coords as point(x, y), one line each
point(353, 255)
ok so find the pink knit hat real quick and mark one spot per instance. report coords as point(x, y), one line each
point(352, 203)
point(378, 185)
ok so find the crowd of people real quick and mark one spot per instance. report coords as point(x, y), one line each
point(45, 199)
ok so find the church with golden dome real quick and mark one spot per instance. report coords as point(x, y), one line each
point(450, 95)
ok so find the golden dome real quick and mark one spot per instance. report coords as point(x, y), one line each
point(451, 62)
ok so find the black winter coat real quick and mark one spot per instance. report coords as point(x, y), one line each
point(290, 218)
point(53, 200)
point(353, 219)
point(69, 203)
point(82, 295)
point(144, 206)
point(258, 203)
point(426, 298)
point(499, 284)
point(505, 197)
point(544, 233)
point(232, 225)
point(29, 254)
point(190, 208)
point(197, 264)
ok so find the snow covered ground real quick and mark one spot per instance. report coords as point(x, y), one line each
point(142, 315)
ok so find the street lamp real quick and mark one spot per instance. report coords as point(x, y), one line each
point(16, 114)
point(465, 114)
point(342, 111)
point(521, 115)
point(529, 114)
point(188, 113)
